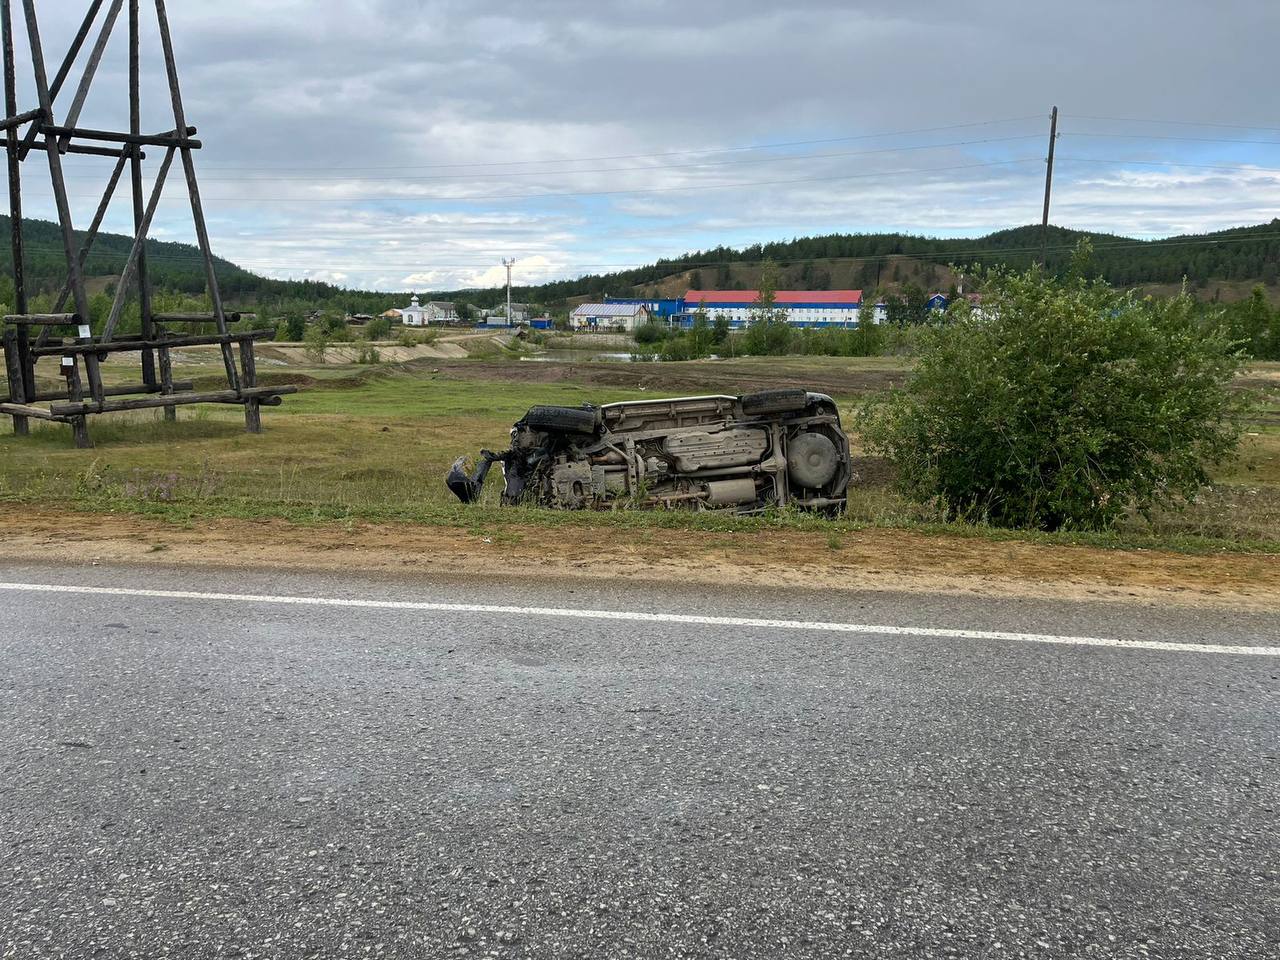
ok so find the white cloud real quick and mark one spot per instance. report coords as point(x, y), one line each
point(343, 139)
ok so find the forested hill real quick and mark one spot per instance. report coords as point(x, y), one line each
point(884, 261)
point(174, 267)
point(1238, 257)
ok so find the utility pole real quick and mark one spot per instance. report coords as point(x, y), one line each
point(1048, 186)
point(507, 262)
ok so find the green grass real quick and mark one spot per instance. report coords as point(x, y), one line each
point(375, 444)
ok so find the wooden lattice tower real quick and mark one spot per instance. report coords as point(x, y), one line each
point(64, 335)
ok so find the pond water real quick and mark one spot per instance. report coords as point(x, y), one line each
point(578, 356)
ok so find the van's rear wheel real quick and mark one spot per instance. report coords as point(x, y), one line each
point(561, 419)
point(774, 401)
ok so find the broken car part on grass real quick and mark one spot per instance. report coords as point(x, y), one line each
point(743, 454)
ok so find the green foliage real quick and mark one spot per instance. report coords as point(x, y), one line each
point(317, 342)
point(379, 328)
point(907, 309)
point(1255, 324)
point(1060, 404)
point(650, 332)
point(294, 327)
point(368, 355)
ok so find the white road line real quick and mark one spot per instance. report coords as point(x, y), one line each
point(636, 616)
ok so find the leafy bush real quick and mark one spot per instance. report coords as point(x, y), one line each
point(650, 332)
point(377, 329)
point(412, 338)
point(1060, 404)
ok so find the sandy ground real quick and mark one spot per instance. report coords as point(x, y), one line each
point(873, 559)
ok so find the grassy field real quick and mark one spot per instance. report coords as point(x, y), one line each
point(373, 443)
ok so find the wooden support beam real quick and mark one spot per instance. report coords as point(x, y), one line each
point(88, 150)
point(71, 409)
point(170, 139)
point(28, 141)
point(60, 188)
point(139, 240)
point(139, 202)
point(193, 317)
point(90, 68)
point(90, 235)
point(17, 381)
point(120, 390)
point(21, 411)
point(44, 319)
point(10, 122)
point(168, 343)
point(193, 190)
point(249, 381)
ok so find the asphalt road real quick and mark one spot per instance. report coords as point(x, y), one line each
point(221, 777)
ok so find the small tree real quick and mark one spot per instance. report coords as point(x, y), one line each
point(317, 342)
point(1061, 404)
point(295, 326)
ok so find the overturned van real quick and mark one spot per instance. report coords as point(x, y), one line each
point(738, 454)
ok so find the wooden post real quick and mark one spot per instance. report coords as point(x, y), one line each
point(17, 385)
point(135, 128)
point(252, 405)
point(193, 190)
point(75, 393)
point(60, 190)
point(166, 382)
point(16, 360)
point(1048, 186)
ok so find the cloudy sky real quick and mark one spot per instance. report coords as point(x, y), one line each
point(412, 144)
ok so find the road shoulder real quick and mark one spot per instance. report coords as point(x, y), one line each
point(873, 559)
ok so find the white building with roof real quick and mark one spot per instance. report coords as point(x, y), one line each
point(415, 314)
point(609, 316)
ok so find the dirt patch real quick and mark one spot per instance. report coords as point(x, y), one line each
point(877, 559)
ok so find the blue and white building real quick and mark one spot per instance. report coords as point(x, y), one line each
point(802, 308)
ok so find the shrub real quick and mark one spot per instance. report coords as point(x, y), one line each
point(1060, 404)
point(377, 329)
point(650, 333)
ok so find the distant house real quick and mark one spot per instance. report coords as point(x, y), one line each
point(415, 314)
point(393, 315)
point(609, 316)
point(441, 311)
point(936, 302)
point(358, 319)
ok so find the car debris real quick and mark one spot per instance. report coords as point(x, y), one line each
point(746, 454)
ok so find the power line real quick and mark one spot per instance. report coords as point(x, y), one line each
point(1273, 171)
point(643, 156)
point(1155, 136)
point(1185, 123)
point(603, 193)
point(644, 169)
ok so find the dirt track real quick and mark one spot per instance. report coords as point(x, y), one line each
point(874, 559)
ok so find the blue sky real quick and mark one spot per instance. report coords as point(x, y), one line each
point(412, 144)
